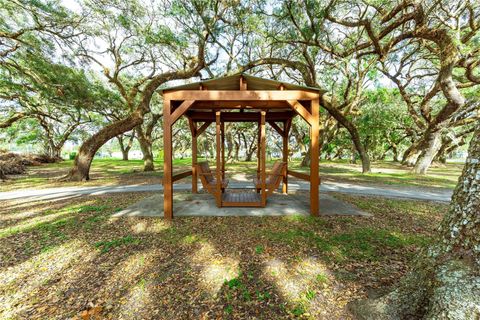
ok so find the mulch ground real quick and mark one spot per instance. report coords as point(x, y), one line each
point(70, 259)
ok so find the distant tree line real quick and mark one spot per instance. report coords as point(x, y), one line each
point(397, 79)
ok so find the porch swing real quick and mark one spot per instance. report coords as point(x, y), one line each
point(264, 184)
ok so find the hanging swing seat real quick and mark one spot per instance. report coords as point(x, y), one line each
point(209, 182)
point(273, 179)
point(241, 199)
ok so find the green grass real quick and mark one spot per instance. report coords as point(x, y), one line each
point(359, 243)
point(107, 245)
point(115, 171)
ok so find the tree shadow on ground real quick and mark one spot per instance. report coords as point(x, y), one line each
point(208, 267)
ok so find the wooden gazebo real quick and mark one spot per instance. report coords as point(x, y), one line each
point(240, 98)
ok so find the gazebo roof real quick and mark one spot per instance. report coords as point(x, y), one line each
point(232, 83)
point(243, 96)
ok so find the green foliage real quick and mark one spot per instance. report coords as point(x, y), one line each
point(259, 249)
point(106, 246)
point(234, 283)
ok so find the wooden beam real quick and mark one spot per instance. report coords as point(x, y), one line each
point(299, 175)
point(193, 126)
point(287, 126)
point(236, 95)
point(276, 127)
point(180, 110)
point(218, 173)
point(167, 162)
point(181, 175)
point(314, 158)
point(240, 116)
point(261, 104)
point(262, 155)
point(301, 110)
point(203, 127)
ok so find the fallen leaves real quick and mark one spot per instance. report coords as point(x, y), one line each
point(202, 268)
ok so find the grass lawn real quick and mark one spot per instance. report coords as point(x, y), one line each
point(118, 172)
point(392, 173)
point(69, 259)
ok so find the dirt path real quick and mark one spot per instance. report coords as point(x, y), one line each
point(438, 194)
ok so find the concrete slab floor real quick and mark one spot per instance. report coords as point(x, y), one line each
point(202, 204)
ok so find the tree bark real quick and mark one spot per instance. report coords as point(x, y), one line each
point(431, 145)
point(125, 154)
point(84, 158)
point(125, 149)
point(410, 155)
point(146, 147)
point(306, 159)
point(12, 119)
point(147, 152)
point(445, 280)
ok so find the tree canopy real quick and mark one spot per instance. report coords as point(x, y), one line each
point(398, 78)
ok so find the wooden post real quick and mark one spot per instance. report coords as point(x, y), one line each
point(243, 84)
point(314, 158)
point(193, 129)
point(222, 130)
point(262, 157)
point(219, 165)
point(285, 158)
point(259, 155)
point(167, 162)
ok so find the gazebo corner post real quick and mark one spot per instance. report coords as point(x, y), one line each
point(167, 162)
point(314, 158)
point(222, 131)
point(263, 157)
point(193, 129)
point(218, 174)
point(285, 157)
point(259, 155)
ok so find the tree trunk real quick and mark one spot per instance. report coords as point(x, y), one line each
point(57, 152)
point(306, 159)
point(53, 150)
point(411, 154)
point(146, 147)
point(353, 155)
point(83, 160)
point(148, 164)
point(430, 148)
point(445, 280)
point(395, 153)
point(352, 130)
point(249, 154)
point(125, 154)
point(125, 149)
point(237, 151)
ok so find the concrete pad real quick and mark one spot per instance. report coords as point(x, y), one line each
point(201, 205)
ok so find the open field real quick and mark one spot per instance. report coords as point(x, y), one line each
point(70, 258)
point(118, 172)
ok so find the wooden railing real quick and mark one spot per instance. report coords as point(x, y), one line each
point(181, 175)
point(299, 175)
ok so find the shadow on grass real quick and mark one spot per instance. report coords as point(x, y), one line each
point(216, 267)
